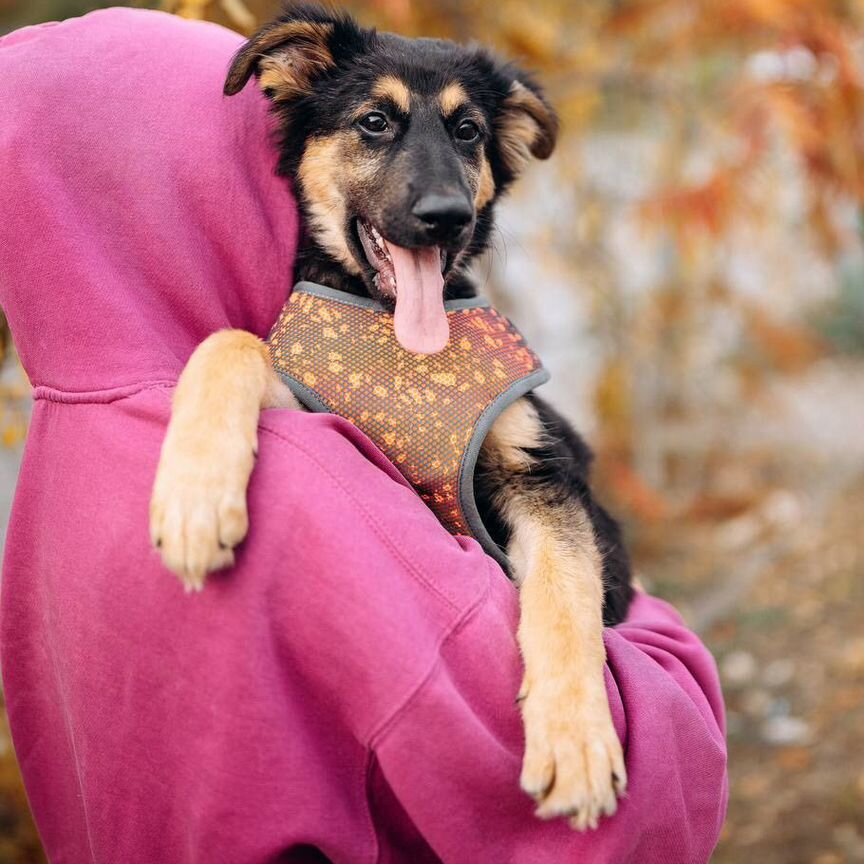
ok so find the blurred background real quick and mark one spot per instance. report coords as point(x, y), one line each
point(690, 266)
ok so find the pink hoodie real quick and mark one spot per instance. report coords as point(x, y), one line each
point(347, 690)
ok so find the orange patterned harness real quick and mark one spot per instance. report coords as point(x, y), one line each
point(428, 414)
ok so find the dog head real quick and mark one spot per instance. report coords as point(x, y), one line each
point(399, 149)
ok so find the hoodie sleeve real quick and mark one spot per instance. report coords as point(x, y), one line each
point(667, 706)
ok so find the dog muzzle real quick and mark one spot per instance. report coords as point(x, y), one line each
point(429, 414)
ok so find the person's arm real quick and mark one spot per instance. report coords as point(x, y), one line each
point(407, 635)
point(665, 696)
point(449, 748)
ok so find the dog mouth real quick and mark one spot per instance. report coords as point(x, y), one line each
point(414, 280)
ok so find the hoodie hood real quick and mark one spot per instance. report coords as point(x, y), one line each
point(119, 253)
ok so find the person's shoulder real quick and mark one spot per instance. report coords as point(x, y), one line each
point(317, 476)
point(303, 453)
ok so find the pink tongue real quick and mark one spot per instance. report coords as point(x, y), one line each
point(420, 321)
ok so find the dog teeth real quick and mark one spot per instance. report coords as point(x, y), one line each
point(378, 256)
point(381, 245)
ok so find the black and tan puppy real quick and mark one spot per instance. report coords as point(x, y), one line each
point(399, 149)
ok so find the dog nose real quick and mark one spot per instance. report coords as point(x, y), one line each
point(444, 215)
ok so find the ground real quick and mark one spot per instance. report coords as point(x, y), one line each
point(777, 593)
point(791, 654)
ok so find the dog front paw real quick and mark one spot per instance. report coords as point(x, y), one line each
point(198, 508)
point(574, 764)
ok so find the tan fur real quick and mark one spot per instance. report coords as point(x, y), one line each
point(485, 185)
point(574, 764)
point(392, 88)
point(198, 508)
point(516, 429)
point(527, 127)
point(319, 178)
point(302, 53)
point(453, 96)
point(277, 77)
point(516, 137)
point(334, 168)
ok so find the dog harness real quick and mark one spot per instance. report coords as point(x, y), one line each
point(428, 414)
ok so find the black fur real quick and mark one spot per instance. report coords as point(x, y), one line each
point(419, 155)
point(560, 470)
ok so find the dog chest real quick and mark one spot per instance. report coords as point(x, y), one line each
point(428, 414)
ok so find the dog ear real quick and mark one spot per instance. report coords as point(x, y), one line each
point(288, 54)
point(526, 125)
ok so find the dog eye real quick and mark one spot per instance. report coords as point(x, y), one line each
point(467, 130)
point(374, 123)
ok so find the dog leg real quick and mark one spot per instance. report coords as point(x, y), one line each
point(198, 508)
point(574, 764)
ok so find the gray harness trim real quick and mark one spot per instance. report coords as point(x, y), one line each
point(469, 460)
point(368, 303)
point(517, 389)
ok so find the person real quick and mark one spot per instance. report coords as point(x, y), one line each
point(346, 692)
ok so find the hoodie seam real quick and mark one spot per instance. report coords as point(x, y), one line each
point(101, 396)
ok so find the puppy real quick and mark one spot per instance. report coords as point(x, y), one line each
point(399, 150)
